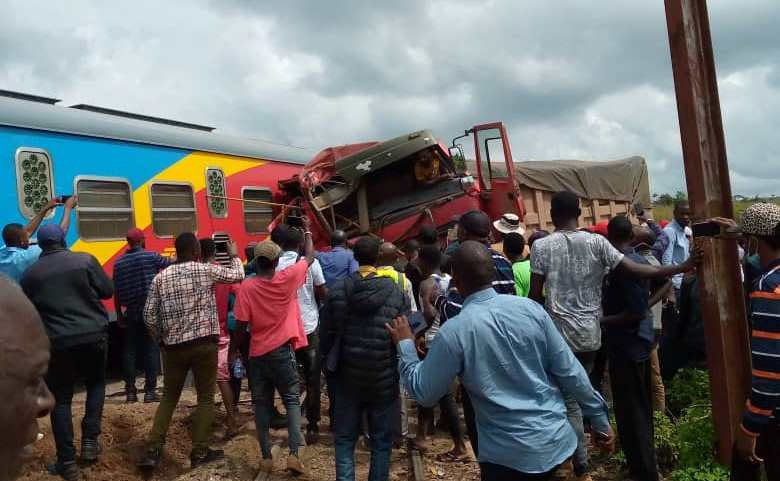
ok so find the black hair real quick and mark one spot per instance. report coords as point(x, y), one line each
point(338, 238)
point(773, 241)
point(292, 241)
point(476, 223)
point(428, 235)
point(187, 245)
point(565, 206)
point(473, 265)
point(411, 246)
point(366, 251)
point(514, 244)
point(13, 234)
point(620, 228)
point(263, 264)
point(249, 251)
point(279, 234)
point(680, 204)
point(540, 234)
point(430, 256)
point(208, 248)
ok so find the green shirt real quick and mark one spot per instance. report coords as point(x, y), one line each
point(522, 271)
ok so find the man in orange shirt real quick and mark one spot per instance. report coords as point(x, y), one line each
point(268, 303)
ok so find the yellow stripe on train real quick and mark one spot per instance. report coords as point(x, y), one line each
point(191, 169)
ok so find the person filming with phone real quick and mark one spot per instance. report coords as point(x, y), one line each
point(758, 436)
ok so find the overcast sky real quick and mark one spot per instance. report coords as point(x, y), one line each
point(571, 79)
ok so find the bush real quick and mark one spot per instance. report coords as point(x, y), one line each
point(705, 472)
point(689, 387)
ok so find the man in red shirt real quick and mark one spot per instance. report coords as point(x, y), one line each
point(269, 304)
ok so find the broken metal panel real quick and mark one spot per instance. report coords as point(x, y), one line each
point(709, 192)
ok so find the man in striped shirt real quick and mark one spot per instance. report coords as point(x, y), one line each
point(758, 439)
point(133, 274)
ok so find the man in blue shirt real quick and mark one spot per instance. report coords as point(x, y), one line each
point(629, 340)
point(679, 249)
point(18, 255)
point(339, 262)
point(515, 366)
point(133, 274)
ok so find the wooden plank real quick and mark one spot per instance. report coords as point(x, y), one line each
point(709, 192)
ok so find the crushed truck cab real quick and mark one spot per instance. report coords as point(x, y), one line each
point(388, 189)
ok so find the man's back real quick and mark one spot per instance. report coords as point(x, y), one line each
point(358, 309)
point(337, 264)
point(511, 360)
point(14, 261)
point(133, 274)
point(271, 308)
point(66, 288)
point(181, 304)
point(573, 264)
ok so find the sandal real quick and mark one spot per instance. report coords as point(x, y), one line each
point(450, 457)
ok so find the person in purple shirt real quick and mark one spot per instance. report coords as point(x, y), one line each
point(339, 262)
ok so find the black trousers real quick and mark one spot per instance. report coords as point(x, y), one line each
point(471, 421)
point(309, 358)
point(66, 366)
point(768, 449)
point(632, 402)
point(497, 472)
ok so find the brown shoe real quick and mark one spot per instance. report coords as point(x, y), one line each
point(295, 462)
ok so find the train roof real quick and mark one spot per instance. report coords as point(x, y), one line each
point(31, 114)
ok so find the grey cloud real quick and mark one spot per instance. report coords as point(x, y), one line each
point(570, 78)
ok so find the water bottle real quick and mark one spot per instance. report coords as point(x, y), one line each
point(239, 372)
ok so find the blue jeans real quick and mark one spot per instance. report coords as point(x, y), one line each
point(138, 340)
point(349, 414)
point(87, 361)
point(277, 369)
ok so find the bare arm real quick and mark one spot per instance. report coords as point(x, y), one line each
point(659, 293)
point(320, 293)
point(537, 288)
point(69, 205)
point(308, 244)
point(428, 294)
point(35, 222)
point(646, 271)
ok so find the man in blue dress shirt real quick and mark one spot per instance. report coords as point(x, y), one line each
point(515, 366)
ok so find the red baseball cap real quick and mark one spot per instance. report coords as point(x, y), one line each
point(135, 235)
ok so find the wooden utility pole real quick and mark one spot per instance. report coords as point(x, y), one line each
point(709, 192)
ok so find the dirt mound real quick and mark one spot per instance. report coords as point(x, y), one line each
point(126, 427)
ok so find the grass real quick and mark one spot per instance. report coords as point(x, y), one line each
point(665, 211)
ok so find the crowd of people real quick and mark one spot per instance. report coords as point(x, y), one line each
point(522, 329)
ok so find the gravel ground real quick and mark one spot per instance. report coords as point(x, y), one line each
point(126, 426)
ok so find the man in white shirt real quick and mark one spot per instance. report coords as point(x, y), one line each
point(313, 290)
point(567, 271)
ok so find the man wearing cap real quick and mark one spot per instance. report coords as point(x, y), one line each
point(758, 436)
point(67, 288)
point(17, 255)
point(268, 304)
point(181, 314)
point(133, 274)
point(507, 224)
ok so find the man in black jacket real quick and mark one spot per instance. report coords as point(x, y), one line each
point(355, 340)
point(67, 287)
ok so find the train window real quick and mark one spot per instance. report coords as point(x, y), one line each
point(215, 189)
point(173, 209)
point(34, 181)
point(257, 215)
point(105, 209)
